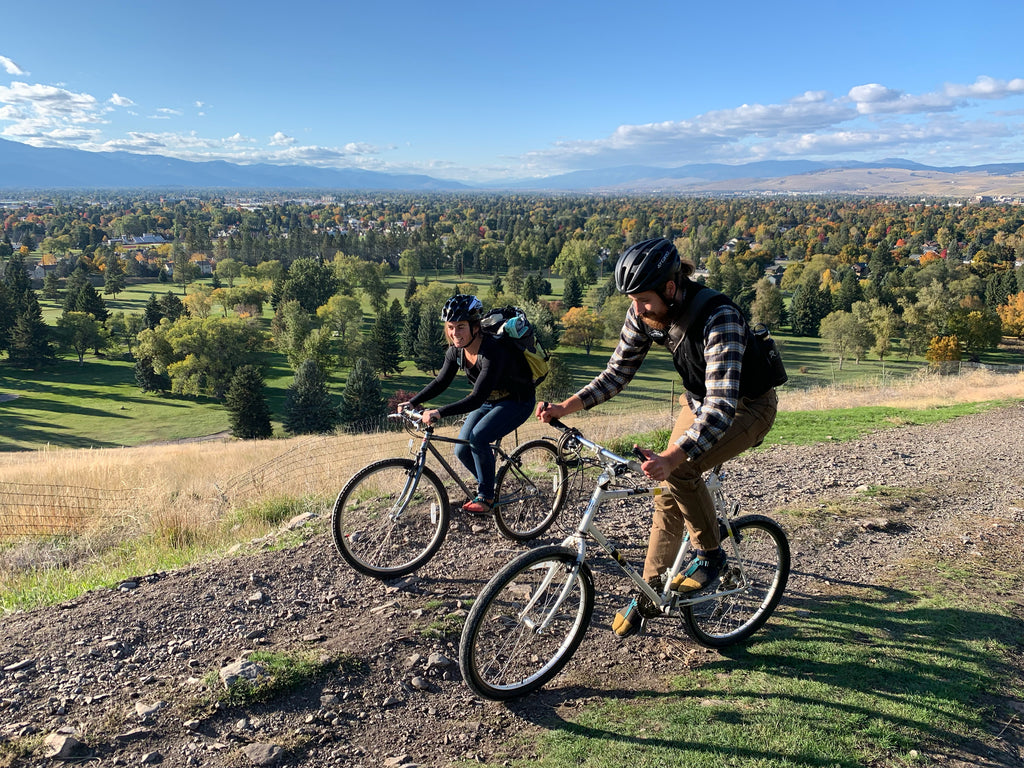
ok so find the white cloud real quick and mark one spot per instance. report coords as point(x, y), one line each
point(281, 140)
point(121, 101)
point(11, 68)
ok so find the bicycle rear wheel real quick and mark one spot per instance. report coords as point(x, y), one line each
point(763, 553)
point(386, 523)
point(530, 488)
point(503, 652)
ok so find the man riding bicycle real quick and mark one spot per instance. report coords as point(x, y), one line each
point(732, 406)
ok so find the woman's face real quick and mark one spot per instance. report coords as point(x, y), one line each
point(460, 334)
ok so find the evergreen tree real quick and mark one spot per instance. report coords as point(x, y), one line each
point(16, 278)
point(428, 354)
point(7, 316)
point(410, 289)
point(384, 349)
point(171, 306)
point(89, 301)
point(849, 292)
point(410, 331)
point(147, 379)
point(29, 342)
point(363, 406)
point(572, 293)
point(250, 415)
point(113, 279)
point(51, 286)
point(308, 408)
point(152, 314)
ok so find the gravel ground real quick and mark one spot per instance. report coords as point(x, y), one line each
point(124, 676)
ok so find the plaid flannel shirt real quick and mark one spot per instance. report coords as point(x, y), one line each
point(724, 345)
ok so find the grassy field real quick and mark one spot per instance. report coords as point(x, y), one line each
point(98, 404)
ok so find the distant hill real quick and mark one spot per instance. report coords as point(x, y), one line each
point(23, 167)
point(26, 167)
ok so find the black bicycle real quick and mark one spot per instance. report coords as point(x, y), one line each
point(393, 515)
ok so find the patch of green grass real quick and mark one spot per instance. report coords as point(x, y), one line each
point(877, 676)
point(838, 424)
point(445, 626)
point(282, 672)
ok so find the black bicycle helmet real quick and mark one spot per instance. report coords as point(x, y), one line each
point(646, 266)
point(462, 307)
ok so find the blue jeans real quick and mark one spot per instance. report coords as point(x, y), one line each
point(483, 426)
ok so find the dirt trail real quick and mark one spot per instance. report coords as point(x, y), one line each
point(124, 668)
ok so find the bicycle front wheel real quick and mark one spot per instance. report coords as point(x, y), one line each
point(530, 488)
point(526, 624)
point(387, 522)
point(756, 574)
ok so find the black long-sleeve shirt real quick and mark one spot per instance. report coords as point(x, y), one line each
point(499, 373)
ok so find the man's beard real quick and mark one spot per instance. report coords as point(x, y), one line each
point(657, 321)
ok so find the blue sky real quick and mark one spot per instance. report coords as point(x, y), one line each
point(495, 91)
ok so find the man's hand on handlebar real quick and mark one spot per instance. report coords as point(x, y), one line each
point(429, 416)
point(658, 466)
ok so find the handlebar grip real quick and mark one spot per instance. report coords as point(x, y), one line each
point(639, 454)
point(559, 425)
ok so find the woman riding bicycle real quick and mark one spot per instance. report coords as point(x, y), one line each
point(502, 398)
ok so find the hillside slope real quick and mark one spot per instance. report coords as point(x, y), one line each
point(124, 668)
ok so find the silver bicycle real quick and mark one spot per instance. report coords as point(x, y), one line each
point(532, 615)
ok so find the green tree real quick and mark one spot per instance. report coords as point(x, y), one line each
point(572, 293)
point(559, 383)
point(768, 307)
point(172, 307)
point(200, 355)
point(308, 407)
point(152, 314)
point(311, 283)
point(430, 346)
point(363, 406)
point(80, 332)
point(846, 335)
point(51, 286)
point(29, 344)
point(185, 270)
point(228, 270)
point(579, 258)
point(247, 404)
point(114, 277)
point(147, 379)
point(384, 347)
point(124, 328)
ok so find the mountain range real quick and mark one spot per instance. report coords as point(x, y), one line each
point(23, 167)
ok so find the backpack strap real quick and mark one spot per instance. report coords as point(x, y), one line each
point(694, 307)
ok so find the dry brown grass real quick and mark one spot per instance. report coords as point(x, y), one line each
point(172, 490)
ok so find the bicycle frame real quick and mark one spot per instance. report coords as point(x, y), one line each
point(615, 466)
point(427, 439)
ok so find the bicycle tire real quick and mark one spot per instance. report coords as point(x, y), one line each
point(365, 532)
point(730, 619)
point(501, 657)
point(530, 488)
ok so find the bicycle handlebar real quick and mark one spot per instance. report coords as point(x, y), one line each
point(606, 455)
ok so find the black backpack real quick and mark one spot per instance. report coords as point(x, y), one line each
point(760, 338)
point(510, 323)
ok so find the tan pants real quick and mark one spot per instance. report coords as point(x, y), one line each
point(686, 503)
